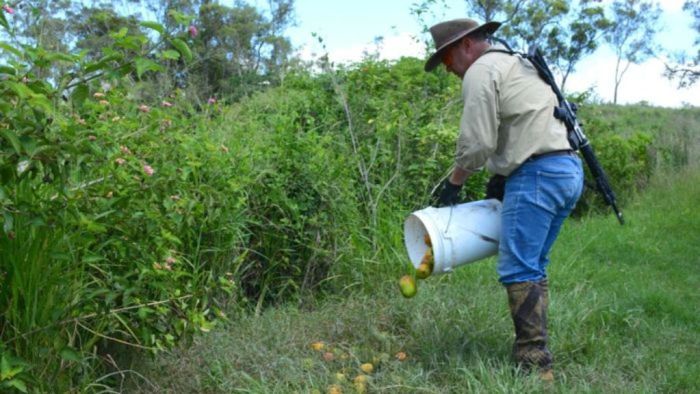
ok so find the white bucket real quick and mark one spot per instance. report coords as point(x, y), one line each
point(460, 234)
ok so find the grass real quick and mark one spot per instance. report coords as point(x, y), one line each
point(624, 318)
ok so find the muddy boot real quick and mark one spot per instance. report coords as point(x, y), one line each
point(528, 307)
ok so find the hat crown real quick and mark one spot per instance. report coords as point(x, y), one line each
point(447, 32)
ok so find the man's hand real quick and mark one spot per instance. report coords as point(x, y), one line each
point(496, 188)
point(449, 194)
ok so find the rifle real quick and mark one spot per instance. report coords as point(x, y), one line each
point(566, 112)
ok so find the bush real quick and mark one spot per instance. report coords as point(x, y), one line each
point(119, 222)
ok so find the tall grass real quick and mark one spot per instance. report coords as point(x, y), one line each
point(40, 287)
point(624, 317)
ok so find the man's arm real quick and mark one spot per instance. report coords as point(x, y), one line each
point(459, 176)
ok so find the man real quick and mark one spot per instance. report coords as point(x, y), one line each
point(508, 126)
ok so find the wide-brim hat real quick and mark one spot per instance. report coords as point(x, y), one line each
point(446, 33)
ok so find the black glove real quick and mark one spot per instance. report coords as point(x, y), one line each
point(449, 194)
point(496, 187)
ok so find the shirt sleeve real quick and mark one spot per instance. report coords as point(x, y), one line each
point(478, 137)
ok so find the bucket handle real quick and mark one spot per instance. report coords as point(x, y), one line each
point(449, 219)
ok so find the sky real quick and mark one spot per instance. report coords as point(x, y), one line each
point(349, 28)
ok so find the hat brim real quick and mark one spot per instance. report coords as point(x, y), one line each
point(436, 58)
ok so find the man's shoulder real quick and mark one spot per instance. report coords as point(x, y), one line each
point(494, 63)
point(497, 55)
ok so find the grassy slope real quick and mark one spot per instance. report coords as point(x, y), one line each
point(624, 317)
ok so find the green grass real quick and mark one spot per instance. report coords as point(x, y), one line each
point(624, 318)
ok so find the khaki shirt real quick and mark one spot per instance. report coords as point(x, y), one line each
point(508, 115)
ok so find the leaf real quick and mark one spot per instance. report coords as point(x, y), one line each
point(11, 137)
point(144, 312)
point(20, 89)
point(9, 222)
point(10, 48)
point(8, 70)
point(154, 25)
point(41, 103)
point(179, 17)
point(18, 384)
point(79, 95)
point(7, 370)
point(92, 259)
point(170, 54)
point(58, 56)
point(3, 21)
point(69, 354)
point(143, 65)
point(182, 47)
point(170, 236)
point(102, 63)
point(120, 34)
point(91, 225)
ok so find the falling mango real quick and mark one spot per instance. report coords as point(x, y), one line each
point(423, 271)
point(408, 286)
point(428, 258)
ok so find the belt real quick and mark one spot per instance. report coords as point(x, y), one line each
point(563, 152)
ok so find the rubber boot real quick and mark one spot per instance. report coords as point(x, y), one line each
point(528, 303)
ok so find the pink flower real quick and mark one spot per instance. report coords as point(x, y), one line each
point(119, 161)
point(8, 9)
point(144, 108)
point(166, 104)
point(193, 31)
point(148, 170)
point(92, 138)
point(124, 150)
point(212, 100)
point(170, 260)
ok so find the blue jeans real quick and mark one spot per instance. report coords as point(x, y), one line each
point(539, 195)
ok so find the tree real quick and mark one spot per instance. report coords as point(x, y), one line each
point(91, 28)
point(631, 34)
point(238, 49)
point(570, 42)
point(490, 10)
point(686, 70)
point(564, 31)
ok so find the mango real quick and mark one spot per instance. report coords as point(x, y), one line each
point(423, 271)
point(428, 258)
point(367, 367)
point(408, 286)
